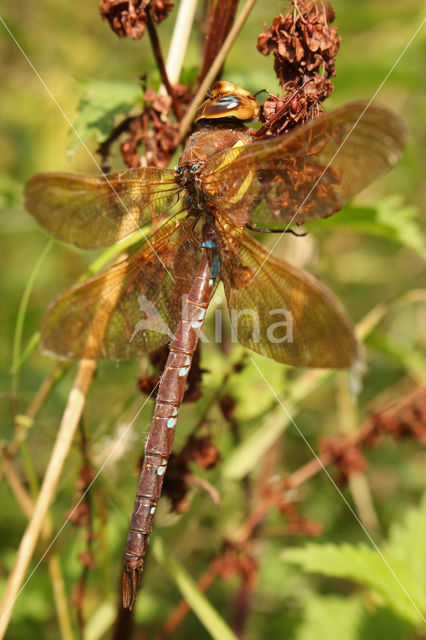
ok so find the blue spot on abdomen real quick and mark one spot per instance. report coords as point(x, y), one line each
point(215, 266)
point(209, 244)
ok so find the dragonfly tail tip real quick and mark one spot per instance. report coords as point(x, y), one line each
point(129, 585)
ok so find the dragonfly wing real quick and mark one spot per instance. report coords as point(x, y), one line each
point(308, 173)
point(96, 211)
point(130, 309)
point(278, 310)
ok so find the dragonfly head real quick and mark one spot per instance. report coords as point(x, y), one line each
point(226, 102)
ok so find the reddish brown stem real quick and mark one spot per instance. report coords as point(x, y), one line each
point(306, 472)
point(105, 146)
point(220, 25)
point(156, 48)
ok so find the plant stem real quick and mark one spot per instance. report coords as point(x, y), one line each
point(27, 506)
point(158, 55)
point(180, 37)
point(69, 422)
point(358, 483)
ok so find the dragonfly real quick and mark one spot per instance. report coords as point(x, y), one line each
point(227, 184)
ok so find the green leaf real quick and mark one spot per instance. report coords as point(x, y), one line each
point(189, 75)
point(333, 618)
point(383, 623)
point(330, 618)
point(388, 218)
point(102, 101)
point(208, 616)
point(407, 544)
point(363, 565)
point(396, 574)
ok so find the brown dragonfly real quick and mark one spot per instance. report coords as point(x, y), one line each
point(227, 183)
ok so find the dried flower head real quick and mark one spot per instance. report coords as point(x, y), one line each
point(304, 48)
point(406, 419)
point(179, 479)
point(237, 560)
point(154, 130)
point(345, 454)
point(129, 18)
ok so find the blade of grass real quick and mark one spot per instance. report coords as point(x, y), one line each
point(31, 345)
point(205, 612)
point(17, 338)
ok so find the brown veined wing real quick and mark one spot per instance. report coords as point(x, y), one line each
point(308, 173)
point(131, 308)
point(278, 310)
point(96, 211)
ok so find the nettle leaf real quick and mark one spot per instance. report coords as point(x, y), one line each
point(388, 218)
point(330, 618)
point(383, 623)
point(100, 104)
point(407, 545)
point(333, 618)
point(396, 575)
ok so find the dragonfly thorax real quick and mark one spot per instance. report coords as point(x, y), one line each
point(193, 164)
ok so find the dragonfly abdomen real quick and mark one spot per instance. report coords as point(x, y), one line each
point(170, 394)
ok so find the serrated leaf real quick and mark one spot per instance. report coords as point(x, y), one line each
point(330, 618)
point(407, 544)
point(384, 575)
point(100, 104)
point(383, 623)
point(333, 618)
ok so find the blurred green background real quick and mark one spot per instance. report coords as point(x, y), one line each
point(371, 253)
